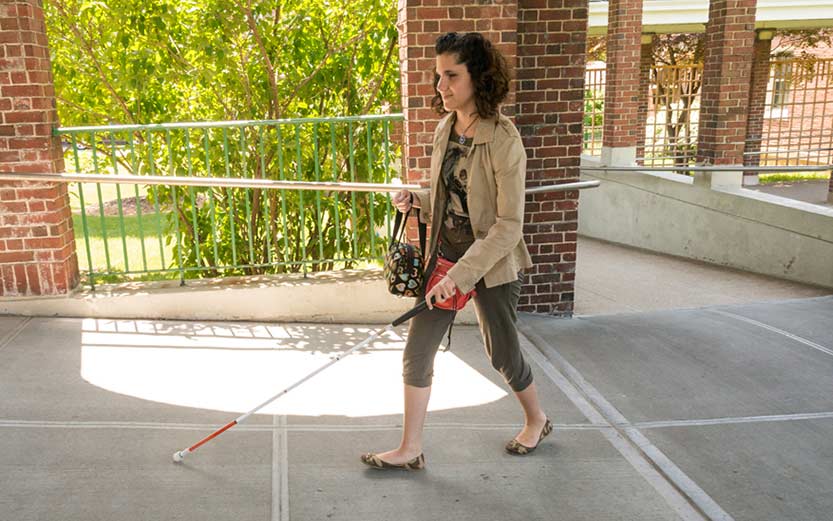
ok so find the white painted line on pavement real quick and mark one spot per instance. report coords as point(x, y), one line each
point(439, 426)
point(280, 469)
point(776, 330)
point(6, 340)
point(46, 424)
point(658, 424)
point(734, 420)
point(679, 491)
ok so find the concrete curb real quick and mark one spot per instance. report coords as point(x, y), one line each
point(350, 296)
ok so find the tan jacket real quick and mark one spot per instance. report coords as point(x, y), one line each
point(496, 183)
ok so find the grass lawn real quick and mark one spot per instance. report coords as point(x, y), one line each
point(125, 249)
point(792, 177)
point(109, 192)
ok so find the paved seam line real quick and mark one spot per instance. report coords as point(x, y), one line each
point(285, 470)
point(280, 469)
point(46, 424)
point(14, 332)
point(776, 330)
point(276, 478)
point(734, 420)
point(679, 491)
point(664, 487)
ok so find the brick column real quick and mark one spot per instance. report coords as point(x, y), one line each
point(729, 53)
point(645, 65)
point(550, 107)
point(622, 82)
point(757, 103)
point(37, 245)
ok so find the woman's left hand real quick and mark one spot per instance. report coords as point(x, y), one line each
point(444, 290)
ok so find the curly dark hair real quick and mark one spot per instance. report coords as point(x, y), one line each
point(486, 65)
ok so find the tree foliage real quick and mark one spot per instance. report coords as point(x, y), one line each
point(129, 62)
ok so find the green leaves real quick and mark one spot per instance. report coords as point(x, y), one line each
point(157, 61)
point(212, 59)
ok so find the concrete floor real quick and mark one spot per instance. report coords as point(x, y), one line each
point(816, 192)
point(706, 396)
point(611, 278)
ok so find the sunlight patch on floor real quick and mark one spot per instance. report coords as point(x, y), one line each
point(234, 370)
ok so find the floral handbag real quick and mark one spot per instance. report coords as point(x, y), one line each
point(404, 264)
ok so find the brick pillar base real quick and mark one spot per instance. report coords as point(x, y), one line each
point(37, 245)
point(757, 104)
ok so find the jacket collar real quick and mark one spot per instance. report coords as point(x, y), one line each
point(444, 129)
point(484, 130)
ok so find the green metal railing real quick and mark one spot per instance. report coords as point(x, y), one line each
point(167, 231)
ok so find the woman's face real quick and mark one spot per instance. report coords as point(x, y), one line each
point(455, 84)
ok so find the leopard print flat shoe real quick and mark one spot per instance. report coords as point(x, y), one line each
point(515, 447)
point(374, 461)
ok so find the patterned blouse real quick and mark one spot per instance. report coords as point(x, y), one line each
point(456, 234)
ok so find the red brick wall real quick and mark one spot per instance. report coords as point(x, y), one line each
point(624, 58)
point(551, 49)
point(821, 133)
point(805, 121)
point(730, 38)
point(37, 246)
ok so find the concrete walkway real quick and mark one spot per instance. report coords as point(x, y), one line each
point(816, 192)
point(721, 410)
point(611, 278)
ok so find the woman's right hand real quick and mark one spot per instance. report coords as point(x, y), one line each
point(402, 201)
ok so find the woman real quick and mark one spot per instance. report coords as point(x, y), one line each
point(476, 205)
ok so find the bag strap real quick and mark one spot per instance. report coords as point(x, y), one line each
point(399, 234)
point(395, 236)
point(423, 229)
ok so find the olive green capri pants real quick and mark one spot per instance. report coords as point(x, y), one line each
point(496, 313)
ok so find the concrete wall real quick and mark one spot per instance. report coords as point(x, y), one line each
point(735, 227)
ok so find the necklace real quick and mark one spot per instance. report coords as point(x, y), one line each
point(462, 138)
